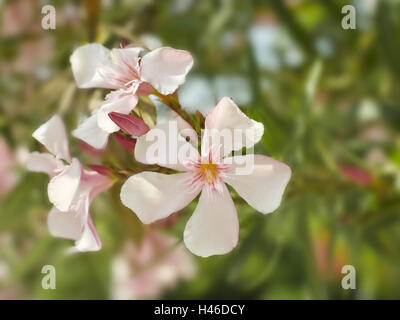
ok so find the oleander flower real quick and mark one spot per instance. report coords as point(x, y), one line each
point(213, 228)
point(71, 187)
point(127, 74)
point(144, 271)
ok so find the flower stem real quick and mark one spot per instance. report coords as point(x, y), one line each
point(173, 103)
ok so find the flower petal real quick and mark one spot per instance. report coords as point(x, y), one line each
point(165, 68)
point(89, 240)
point(123, 104)
point(92, 184)
point(53, 136)
point(263, 185)
point(95, 183)
point(228, 121)
point(87, 63)
point(153, 196)
point(64, 224)
point(91, 133)
point(127, 59)
point(214, 227)
point(43, 162)
point(63, 187)
point(72, 225)
point(163, 145)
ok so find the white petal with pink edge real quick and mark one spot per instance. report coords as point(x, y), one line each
point(95, 182)
point(127, 58)
point(214, 227)
point(87, 63)
point(89, 240)
point(153, 196)
point(90, 132)
point(53, 136)
point(63, 187)
point(76, 226)
point(166, 68)
point(44, 162)
point(228, 121)
point(264, 185)
point(122, 104)
point(66, 225)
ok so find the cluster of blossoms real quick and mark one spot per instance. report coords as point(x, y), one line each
point(71, 187)
point(173, 171)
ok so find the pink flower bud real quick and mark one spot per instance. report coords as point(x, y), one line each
point(124, 43)
point(357, 175)
point(126, 142)
point(129, 124)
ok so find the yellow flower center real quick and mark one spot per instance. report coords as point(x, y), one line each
point(209, 171)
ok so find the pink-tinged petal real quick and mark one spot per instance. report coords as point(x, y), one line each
point(214, 227)
point(127, 143)
point(53, 136)
point(129, 124)
point(90, 63)
point(123, 104)
point(76, 226)
point(76, 223)
point(166, 68)
point(127, 59)
point(164, 146)
point(261, 180)
point(66, 225)
point(63, 188)
point(228, 121)
point(154, 196)
point(145, 89)
point(44, 162)
point(95, 183)
point(89, 240)
point(91, 133)
point(92, 184)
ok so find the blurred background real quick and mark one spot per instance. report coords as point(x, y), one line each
point(329, 100)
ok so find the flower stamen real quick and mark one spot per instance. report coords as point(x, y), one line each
point(209, 172)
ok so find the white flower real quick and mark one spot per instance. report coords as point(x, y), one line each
point(71, 187)
point(127, 74)
point(213, 227)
